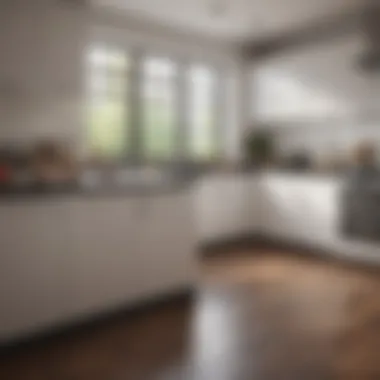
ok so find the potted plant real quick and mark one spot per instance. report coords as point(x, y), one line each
point(259, 148)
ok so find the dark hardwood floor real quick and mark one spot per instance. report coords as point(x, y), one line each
point(258, 317)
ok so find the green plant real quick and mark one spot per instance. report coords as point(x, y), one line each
point(259, 146)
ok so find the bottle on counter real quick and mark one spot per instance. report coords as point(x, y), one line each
point(53, 164)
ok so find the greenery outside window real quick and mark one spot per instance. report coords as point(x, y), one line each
point(202, 103)
point(159, 110)
point(108, 106)
point(149, 108)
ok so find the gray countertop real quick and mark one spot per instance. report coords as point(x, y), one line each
point(40, 193)
point(164, 187)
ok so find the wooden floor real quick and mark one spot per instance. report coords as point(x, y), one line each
point(264, 317)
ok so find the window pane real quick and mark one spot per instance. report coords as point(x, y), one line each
point(117, 61)
point(202, 113)
point(108, 107)
point(97, 57)
point(159, 108)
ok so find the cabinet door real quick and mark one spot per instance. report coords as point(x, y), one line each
point(225, 207)
point(303, 209)
point(167, 243)
point(251, 205)
point(320, 219)
point(33, 266)
point(282, 208)
point(104, 261)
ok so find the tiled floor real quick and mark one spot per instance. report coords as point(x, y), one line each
point(270, 316)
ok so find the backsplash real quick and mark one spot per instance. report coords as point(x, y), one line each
point(329, 139)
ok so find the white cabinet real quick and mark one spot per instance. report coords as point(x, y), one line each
point(129, 249)
point(307, 210)
point(34, 264)
point(284, 210)
point(251, 207)
point(301, 208)
point(166, 242)
point(226, 205)
point(304, 209)
point(104, 261)
point(71, 257)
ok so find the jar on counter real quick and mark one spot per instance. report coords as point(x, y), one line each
point(5, 168)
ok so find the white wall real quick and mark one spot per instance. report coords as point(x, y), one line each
point(40, 69)
point(326, 140)
point(43, 44)
point(317, 98)
point(113, 27)
point(136, 31)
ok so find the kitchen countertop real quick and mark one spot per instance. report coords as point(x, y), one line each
point(103, 191)
point(164, 187)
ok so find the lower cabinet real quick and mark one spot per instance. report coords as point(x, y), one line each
point(34, 266)
point(303, 209)
point(166, 243)
point(307, 210)
point(300, 208)
point(131, 249)
point(68, 259)
point(104, 262)
point(226, 206)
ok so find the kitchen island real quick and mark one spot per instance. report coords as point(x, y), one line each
point(68, 257)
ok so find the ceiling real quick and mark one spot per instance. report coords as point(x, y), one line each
point(328, 69)
point(241, 20)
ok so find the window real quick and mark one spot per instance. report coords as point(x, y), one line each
point(108, 105)
point(203, 142)
point(159, 110)
point(151, 108)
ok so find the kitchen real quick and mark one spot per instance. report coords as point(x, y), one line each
point(295, 125)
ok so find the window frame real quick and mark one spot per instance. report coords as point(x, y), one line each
point(134, 154)
point(125, 100)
